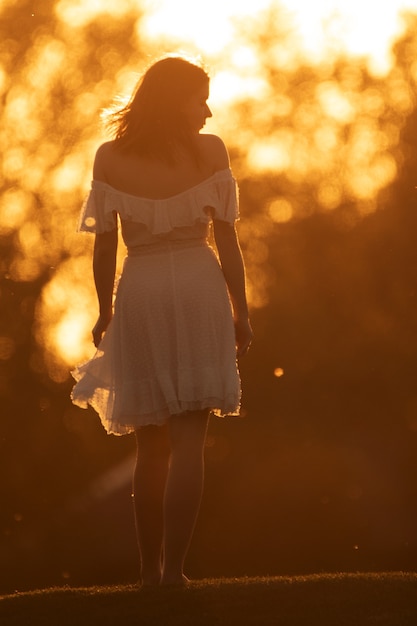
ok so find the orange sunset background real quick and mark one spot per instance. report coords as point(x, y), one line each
point(317, 103)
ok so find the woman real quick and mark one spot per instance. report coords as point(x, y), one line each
point(167, 357)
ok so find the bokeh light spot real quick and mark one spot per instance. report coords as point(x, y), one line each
point(25, 269)
point(329, 195)
point(268, 155)
point(335, 103)
point(67, 175)
point(79, 13)
point(29, 238)
point(280, 210)
point(15, 206)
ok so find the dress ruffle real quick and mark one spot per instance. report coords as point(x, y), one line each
point(217, 390)
point(219, 193)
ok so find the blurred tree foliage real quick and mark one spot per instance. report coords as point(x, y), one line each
point(324, 466)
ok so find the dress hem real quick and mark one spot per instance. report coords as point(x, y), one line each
point(119, 427)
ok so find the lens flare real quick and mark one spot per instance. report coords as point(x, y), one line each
point(209, 29)
point(356, 28)
point(322, 30)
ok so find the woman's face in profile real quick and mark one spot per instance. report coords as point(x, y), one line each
point(196, 109)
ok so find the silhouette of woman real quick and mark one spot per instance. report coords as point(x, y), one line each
point(167, 347)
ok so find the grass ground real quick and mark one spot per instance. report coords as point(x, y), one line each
point(383, 599)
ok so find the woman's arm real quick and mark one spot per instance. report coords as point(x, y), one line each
point(234, 272)
point(104, 269)
point(104, 256)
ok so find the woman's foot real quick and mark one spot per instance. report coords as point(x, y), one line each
point(174, 581)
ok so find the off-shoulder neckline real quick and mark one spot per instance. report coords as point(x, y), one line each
point(205, 181)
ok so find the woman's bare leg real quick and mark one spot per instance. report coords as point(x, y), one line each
point(183, 490)
point(148, 491)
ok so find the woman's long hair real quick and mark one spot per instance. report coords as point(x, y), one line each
point(153, 124)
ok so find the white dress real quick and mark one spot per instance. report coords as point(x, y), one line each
point(170, 346)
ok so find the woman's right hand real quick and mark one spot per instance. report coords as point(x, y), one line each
point(243, 335)
point(100, 328)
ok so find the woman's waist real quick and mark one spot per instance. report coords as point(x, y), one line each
point(166, 245)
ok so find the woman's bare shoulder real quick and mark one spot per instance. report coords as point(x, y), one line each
point(214, 151)
point(103, 156)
